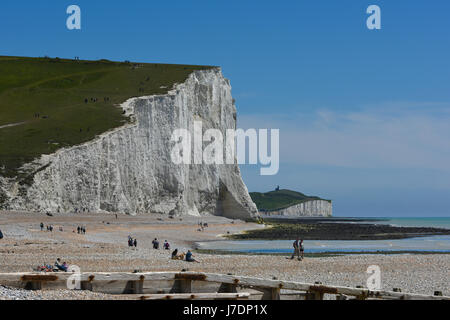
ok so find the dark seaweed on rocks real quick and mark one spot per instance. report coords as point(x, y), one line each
point(319, 229)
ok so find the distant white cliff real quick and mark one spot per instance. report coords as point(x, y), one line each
point(129, 169)
point(312, 208)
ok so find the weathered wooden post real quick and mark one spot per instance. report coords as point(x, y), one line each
point(228, 287)
point(184, 286)
point(35, 281)
point(314, 295)
point(315, 292)
point(362, 296)
point(135, 286)
point(183, 282)
point(271, 294)
point(87, 285)
point(33, 285)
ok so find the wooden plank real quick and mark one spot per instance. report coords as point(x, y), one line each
point(207, 286)
point(35, 280)
point(289, 285)
point(161, 287)
point(293, 296)
point(196, 296)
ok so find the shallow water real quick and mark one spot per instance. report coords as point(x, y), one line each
point(433, 222)
point(433, 243)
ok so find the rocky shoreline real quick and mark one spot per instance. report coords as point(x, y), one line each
point(336, 229)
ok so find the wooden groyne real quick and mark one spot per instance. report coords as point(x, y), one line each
point(198, 285)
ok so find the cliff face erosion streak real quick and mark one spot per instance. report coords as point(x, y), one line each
point(129, 169)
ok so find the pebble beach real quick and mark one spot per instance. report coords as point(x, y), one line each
point(104, 248)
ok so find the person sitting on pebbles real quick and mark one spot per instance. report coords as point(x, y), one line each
point(190, 258)
point(59, 266)
point(176, 256)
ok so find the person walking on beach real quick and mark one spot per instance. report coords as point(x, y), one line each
point(135, 243)
point(296, 250)
point(155, 244)
point(166, 245)
point(302, 248)
point(42, 226)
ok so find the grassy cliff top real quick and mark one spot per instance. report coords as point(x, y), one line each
point(50, 103)
point(279, 199)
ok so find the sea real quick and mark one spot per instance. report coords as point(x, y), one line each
point(437, 244)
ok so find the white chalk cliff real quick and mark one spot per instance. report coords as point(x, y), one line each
point(312, 208)
point(129, 169)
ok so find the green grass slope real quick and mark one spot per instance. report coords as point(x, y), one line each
point(279, 199)
point(56, 89)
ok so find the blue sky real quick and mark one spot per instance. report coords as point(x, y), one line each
point(363, 114)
